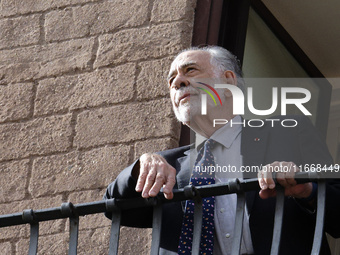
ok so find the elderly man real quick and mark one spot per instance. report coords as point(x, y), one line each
point(234, 145)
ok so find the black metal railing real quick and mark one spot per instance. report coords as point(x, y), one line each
point(115, 206)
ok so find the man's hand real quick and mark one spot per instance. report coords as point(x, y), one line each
point(285, 173)
point(155, 173)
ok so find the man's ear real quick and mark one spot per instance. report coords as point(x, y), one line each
point(231, 77)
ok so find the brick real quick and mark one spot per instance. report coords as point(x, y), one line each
point(154, 145)
point(72, 171)
point(6, 248)
point(35, 137)
point(35, 204)
point(13, 7)
point(15, 101)
point(44, 60)
point(125, 123)
point(94, 19)
point(163, 11)
point(86, 196)
point(131, 241)
point(103, 165)
point(47, 245)
point(93, 221)
point(105, 86)
point(63, 24)
point(143, 43)
point(22, 231)
point(151, 81)
point(94, 242)
point(19, 31)
point(13, 178)
point(141, 241)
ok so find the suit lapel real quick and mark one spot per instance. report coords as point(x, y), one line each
point(184, 173)
point(183, 166)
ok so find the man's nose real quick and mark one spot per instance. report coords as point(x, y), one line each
point(181, 81)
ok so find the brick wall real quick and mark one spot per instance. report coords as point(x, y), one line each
point(82, 94)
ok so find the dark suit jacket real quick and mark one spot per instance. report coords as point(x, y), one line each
point(301, 145)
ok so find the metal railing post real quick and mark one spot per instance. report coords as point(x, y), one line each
point(68, 210)
point(156, 229)
point(115, 226)
point(28, 216)
point(320, 216)
point(234, 186)
point(238, 228)
point(198, 217)
point(279, 209)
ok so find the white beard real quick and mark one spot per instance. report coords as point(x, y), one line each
point(187, 110)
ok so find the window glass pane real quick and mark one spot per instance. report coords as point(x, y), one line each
point(266, 57)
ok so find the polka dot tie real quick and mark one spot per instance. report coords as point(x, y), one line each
point(200, 176)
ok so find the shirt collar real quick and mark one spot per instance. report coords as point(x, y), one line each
point(225, 135)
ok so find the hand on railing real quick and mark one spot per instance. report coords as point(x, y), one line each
point(284, 172)
point(153, 174)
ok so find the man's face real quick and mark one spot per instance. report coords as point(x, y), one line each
point(184, 69)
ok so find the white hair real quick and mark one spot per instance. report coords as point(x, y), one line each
point(222, 60)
